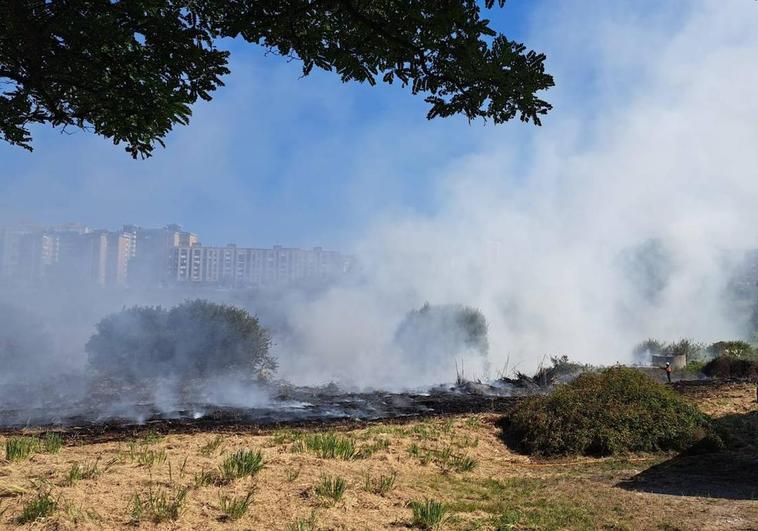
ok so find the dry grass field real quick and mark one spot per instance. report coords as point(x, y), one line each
point(384, 476)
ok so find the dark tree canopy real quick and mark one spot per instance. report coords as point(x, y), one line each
point(197, 339)
point(443, 332)
point(130, 70)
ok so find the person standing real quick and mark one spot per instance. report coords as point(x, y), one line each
point(667, 368)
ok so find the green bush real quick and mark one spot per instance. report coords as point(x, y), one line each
point(613, 411)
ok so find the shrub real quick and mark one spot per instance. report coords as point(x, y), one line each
point(612, 411)
point(731, 367)
point(197, 339)
point(733, 349)
point(691, 350)
point(561, 368)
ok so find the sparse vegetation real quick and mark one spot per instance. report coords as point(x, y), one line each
point(331, 488)
point(51, 443)
point(292, 474)
point(235, 507)
point(86, 471)
point(159, 505)
point(241, 464)
point(429, 515)
point(146, 456)
point(523, 494)
point(41, 506)
point(303, 524)
point(381, 485)
point(17, 448)
point(327, 446)
point(211, 446)
point(613, 411)
point(205, 478)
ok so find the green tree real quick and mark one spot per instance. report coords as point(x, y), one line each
point(197, 339)
point(130, 70)
point(440, 333)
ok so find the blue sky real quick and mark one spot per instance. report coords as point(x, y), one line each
point(276, 158)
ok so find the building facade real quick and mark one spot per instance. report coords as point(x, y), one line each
point(233, 266)
point(75, 255)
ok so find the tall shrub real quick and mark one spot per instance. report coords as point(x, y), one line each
point(612, 411)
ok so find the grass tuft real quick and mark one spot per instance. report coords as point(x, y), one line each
point(463, 463)
point(211, 446)
point(330, 446)
point(159, 505)
point(240, 464)
point(86, 471)
point(235, 507)
point(205, 478)
point(331, 488)
point(292, 474)
point(429, 514)
point(145, 456)
point(18, 448)
point(42, 506)
point(303, 524)
point(381, 485)
point(51, 443)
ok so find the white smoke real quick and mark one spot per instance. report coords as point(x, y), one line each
point(613, 227)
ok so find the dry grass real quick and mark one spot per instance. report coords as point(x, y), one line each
point(503, 490)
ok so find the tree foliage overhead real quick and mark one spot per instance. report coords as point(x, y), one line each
point(130, 69)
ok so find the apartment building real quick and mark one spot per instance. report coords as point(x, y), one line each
point(26, 254)
point(75, 255)
point(82, 258)
point(150, 264)
point(250, 267)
